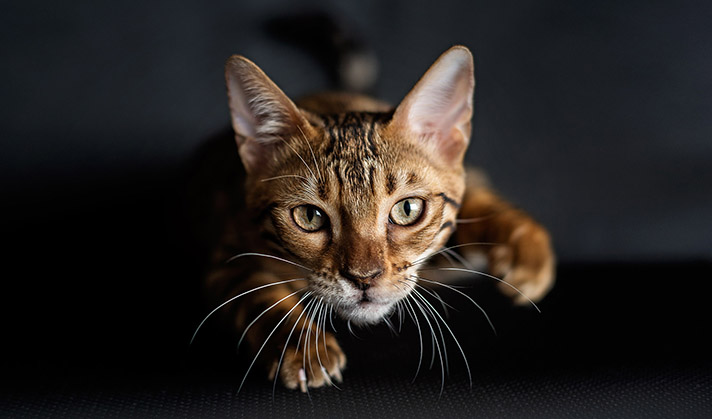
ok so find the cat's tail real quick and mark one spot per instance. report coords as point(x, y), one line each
point(350, 63)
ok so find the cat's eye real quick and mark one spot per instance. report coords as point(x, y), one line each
point(407, 211)
point(309, 217)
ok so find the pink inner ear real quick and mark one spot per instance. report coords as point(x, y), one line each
point(439, 108)
point(261, 113)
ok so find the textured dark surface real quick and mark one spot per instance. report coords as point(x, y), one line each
point(612, 341)
point(620, 393)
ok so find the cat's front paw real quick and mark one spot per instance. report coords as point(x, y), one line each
point(315, 364)
point(525, 261)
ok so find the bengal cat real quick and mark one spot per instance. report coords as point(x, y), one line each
point(342, 200)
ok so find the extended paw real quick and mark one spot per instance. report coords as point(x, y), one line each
point(311, 364)
point(525, 262)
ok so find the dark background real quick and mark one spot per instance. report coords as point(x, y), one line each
point(594, 116)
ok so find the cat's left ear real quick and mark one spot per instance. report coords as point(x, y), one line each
point(438, 110)
point(263, 117)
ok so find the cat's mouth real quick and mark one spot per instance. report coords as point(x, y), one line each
point(361, 306)
point(365, 308)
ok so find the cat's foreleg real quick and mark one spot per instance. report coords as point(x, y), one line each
point(518, 249)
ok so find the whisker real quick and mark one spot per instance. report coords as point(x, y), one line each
point(265, 342)
point(447, 257)
point(464, 262)
point(322, 307)
point(462, 352)
point(436, 344)
point(432, 293)
point(464, 295)
point(399, 308)
point(264, 255)
point(472, 271)
point(327, 307)
point(306, 140)
point(300, 157)
point(433, 312)
point(432, 331)
point(331, 320)
point(389, 324)
point(284, 177)
point(236, 297)
point(244, 333)
point(351, 330)
point(445, 249)
point(286, 343)
point(307, 338)
point(318, 327)
point(420, 334)
point(482, 218)
point(299, 341)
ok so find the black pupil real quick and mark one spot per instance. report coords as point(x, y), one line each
point(406, 208)
point(311, 212)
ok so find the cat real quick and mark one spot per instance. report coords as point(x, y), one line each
point(338, 200)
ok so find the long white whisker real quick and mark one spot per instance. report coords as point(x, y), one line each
point(299, 341)
point(460, 259)
point(389, 324)
point(436, 344)
point(488, 276)
point(484, 217)
point(264, 255)
point(433, 312)
point(462, 352)
point(236, 297)
point(284, 177)
point(306, 140)
point(447, 257)
point(431, 293)
point(414, 316)
point(331, 320)
point(322, 307)
point(265, 343)
point(351, 330)
point(286, 343)
point(432, 331)
point(244, 333)
point(399, 308)
point(464, 295)
point(327, 307)
point(445, 249)
point(300, 157)
point(307, 338)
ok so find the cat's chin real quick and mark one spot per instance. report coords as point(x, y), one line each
point(366, 312)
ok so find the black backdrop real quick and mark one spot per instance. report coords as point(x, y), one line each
point(592, 115)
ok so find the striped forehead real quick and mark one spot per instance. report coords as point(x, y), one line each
point(353, 149)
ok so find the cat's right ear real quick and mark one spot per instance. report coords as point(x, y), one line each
point(263, 117)
point(438, 110)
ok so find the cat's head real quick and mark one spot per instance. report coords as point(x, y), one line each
point(358, 198)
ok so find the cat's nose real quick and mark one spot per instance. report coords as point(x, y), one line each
point(360, 279)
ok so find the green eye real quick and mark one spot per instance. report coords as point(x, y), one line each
point(309, 217)
point(407, 211)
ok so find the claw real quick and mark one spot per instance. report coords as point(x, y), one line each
point(327, 377)
point(337, 375)
point(302, 380)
